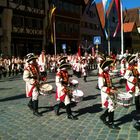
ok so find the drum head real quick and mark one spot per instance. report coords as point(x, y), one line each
point(78, 93)
point(74, 82)
point(45, 88)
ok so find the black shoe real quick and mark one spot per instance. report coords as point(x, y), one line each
point(113, 126)
point(37, 114)
point(85, 80)
point(103, 119)
point(56, 112)
point(30, 107)
point(72, 117)
point(137, 126)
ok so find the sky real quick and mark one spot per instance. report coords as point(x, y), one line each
point(127, 3)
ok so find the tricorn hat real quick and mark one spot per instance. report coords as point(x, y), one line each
point(62, 59)
point(106, 63)
point(102, 58)
point(130, 58)
point(30, 57)
point(64, 65)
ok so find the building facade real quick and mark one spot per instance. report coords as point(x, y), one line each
point(131, 29)
point(27, 28)
point(3, 29)
point(67, 26)
point(90, 28)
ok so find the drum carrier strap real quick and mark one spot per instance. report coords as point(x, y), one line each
point(108, 82)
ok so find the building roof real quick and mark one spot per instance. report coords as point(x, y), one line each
point(132, 15)
point(128, 27)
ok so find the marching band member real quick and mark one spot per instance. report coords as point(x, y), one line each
point(31, 77)
point(132, 77)
point(84, 68)
point(13, 63)
point(62, 95)
point(100, 71)
point(78, 68)
point(42, 62)
point(107, 95)
point(123, 66)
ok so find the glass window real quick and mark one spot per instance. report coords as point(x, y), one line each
point(66, 6)
point(76, 28)
point(91, 26)
point(0, 23)
point(86, 25)
point(71, 7)
point(17, 21)
point(60, 5)
point(77, 9)
point(28, 22)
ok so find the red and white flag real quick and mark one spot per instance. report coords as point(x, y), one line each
point(117, 3)
point(79, 51)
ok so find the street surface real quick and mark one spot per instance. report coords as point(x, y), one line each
point(17, 122)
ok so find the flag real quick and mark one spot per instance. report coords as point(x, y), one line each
point(106, 4)
point(51, 23)
point(117, 3)
point(50, 30)
point(79, 51)
point(93, 51)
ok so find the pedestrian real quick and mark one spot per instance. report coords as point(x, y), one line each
point(84, 68)
point(32, 77)
point(108, 95)
point(62, 93)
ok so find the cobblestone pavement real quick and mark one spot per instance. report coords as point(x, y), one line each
point(18, 123)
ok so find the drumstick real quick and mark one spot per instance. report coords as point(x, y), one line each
point(121, 92)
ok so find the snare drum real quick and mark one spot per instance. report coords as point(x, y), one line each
point(45, 88)
point(125, 99)
point(77, 95)
point(74, 84)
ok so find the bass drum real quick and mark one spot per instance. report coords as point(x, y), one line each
point(77, 95)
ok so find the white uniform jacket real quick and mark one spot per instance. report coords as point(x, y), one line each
point(61, 94)
point(106, 99)
point(31, 76)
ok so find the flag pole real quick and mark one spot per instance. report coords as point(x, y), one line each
point(108, 42)
point(122, 37)
point(54, 34)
